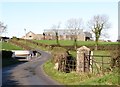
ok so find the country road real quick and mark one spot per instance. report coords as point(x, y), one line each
point(28, 73)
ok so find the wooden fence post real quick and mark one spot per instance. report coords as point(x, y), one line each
point(102, 65)
point(91, 61)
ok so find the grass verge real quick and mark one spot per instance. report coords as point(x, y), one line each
point(9, 46)
point(74, 78)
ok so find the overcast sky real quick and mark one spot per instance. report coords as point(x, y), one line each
point(37, 16)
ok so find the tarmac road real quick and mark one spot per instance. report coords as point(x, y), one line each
point(28, 73)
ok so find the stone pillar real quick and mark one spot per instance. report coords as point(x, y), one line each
point(83, 62)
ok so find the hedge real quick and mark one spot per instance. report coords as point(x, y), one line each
point(6, 54)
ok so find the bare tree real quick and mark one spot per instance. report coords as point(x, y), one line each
point(74, 23)
point(56, 27)
point(97, 24)
point(2, 28)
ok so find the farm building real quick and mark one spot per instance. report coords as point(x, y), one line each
point(30, 35)
point(67, 34)
point(63, 34)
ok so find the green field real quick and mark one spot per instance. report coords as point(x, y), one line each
point(71, 42)
point(9, 46)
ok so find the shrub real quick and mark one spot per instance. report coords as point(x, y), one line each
point(57, 53)
point(6, 54)
point(100, 47)
point(15, 38)
point(115, 58)
point(65, 61)
point(59, 49)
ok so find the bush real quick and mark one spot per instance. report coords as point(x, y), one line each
point(6, 54)
point(15, 38)
point(57, 53)
point(115, 58)
point(59, 49)
point(100, 47)
point(65, 61)
point(7, 59)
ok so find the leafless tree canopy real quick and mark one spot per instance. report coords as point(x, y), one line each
point(98, 24)
point(57, 26)
point(74, 23)
point(2, 28)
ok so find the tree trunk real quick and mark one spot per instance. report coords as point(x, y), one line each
point(75, 43)
point(57, 41)
point(96, 47)
point(96, 44)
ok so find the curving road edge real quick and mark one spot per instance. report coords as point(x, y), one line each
point(28, 73)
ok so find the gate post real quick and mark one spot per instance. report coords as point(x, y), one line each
point(91, 61)
point(83, 59)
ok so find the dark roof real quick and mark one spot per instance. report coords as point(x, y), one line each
point(88, 34)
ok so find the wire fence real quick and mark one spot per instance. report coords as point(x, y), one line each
point(94, 63)
point(99, 63)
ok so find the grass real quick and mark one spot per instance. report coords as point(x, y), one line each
point(74, 78)
point(108, 79)
point(71, 42)
point(97, 59)
point(33, 46)
point(64, 42)
point(9, 46)
point(73, 53)
point(64, 78)
point(102, 53)
point(98, 52)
